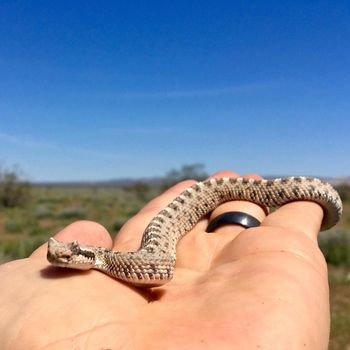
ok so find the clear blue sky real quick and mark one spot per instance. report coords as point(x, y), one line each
point(107, 89)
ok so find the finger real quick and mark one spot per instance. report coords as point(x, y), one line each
point(85, 232)
point(237, 205)
point(198, 249)
point(129, 237)
point(299, 216)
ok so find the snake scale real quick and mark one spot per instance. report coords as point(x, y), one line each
point(153, 264)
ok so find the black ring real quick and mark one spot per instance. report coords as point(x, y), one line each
point(233, 218)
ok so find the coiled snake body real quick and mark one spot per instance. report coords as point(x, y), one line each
point(154, 262)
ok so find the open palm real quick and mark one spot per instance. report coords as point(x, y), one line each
point(233, 289)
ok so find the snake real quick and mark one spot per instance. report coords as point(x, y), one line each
point(153, 263)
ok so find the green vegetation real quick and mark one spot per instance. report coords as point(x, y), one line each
point(335, 245)
point(340, 308)
point(30, 215)
point(26, 226)
point(13, 190)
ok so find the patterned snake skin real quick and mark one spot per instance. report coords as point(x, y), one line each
point(153, 263)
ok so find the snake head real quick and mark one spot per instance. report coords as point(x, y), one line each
point(70, 255)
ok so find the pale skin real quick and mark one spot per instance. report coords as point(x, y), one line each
point(261, 288)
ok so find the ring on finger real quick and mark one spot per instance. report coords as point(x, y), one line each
point(233, 218)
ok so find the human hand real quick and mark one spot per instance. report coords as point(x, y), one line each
point(236, 288)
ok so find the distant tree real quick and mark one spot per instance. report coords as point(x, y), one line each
point(141, 190)
point(194, 171)
point(13, 190)
point(344, 192)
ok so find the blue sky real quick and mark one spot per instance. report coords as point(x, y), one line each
point(107, 89)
